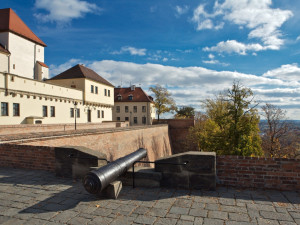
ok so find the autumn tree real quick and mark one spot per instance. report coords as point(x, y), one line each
point(162, 100)
point(280, 138)
point(185, 112)
point(231, 124)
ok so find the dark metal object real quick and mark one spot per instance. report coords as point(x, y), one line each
point(95, 181)
point(169, 163)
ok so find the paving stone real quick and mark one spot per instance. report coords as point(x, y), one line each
point(295, 215)
point(100, 220)
point(212, 206)
point(198, 205)
point(235, 209)
point(198, 221)
point(79, 220)
point(198, 212)
point(217, 215)
point(183, 203)
point(157, 212)
point(262, 221)
point(227, 201)
point(184, 222)
point(64, 216)
point(261, 207)
point(286, 223)
point(188, 218)
point(208, 221)
point(166, 221)
point(179, 210)
point(276, 216)
point(145, 219)
point(239, 223)
point(241, 217)
point(141, 210)
point(123, 221)
point(162, 205)
point(171, 215)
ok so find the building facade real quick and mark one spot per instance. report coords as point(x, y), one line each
point(134, 105)
point(27, 96)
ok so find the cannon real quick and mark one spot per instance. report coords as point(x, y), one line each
point(95, 181)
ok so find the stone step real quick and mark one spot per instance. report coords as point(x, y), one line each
point(143, 177)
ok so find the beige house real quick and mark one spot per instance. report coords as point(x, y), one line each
point(26, 96)
point(134, 105)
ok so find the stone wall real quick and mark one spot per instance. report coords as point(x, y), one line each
point(269, 173)
point(178, 130)
point(117, 142)
point(36, 128)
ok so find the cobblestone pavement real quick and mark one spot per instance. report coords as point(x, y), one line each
point(38, 197)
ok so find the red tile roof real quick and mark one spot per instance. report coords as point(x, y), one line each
point(138, 95)
point(10, 21)
point(5, 51)
point(42, 64)
point(80, 71)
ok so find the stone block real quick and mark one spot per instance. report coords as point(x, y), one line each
point(75, 161)
point(112, 191)
point(202, 181)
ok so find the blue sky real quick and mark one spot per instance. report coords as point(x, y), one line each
point(194, 48)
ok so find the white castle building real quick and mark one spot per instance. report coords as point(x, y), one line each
point(28, 96)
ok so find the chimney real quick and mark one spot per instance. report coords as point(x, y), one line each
point(132, 87)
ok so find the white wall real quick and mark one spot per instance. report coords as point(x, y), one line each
point(24, 54)
point(3, 63)
point(100, 97)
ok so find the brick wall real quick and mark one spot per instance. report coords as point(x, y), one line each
point(178, 130)
point(35, 128)
point(29, 157)
point(238, 171)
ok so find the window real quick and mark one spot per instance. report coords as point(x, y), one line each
point(16, 109)
point(117, 109)
point(52, 111)
point(96, 90)
point(126, 109)
point(92, 88)
point(102, 112)
point(4, 109)
point(118, 118)
point(78, 113)
point(14, 66)
point(98, 113)
point(45, 111)
point(130, 97)
point(71, 112)
point(144, 120)
point(135, 120)
point(108, 91)
point(105, 92)
point(143, 108)
point(134, 109)
point(119, 97)
point(126, 118)
point(12, 78)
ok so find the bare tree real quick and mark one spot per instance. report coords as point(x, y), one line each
point(280, 138)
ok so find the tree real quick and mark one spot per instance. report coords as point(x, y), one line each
point(231, 124)
point(280, 138)
point(185, 112)
point(163, 100)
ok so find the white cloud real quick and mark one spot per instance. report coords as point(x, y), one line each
point(233, 46)
point(181, 10)
point(211, 56)
point(63, 11)
point(298, 38)
point(214, 61)
point(262, 21)
point(190, 85)
point(289, 72)
point(131, 51)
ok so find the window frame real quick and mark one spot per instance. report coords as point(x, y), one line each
point(52, 111)
point(143, 108)
point(45, 111)
point(118, 109)
point(72, 114)
point(98, 113)
point(135, 120)
point(126, 108)
point(96, 89)
point(102, 114)
point(92, 88)
point(6, 109)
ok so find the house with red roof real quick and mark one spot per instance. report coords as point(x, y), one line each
point(133, 104)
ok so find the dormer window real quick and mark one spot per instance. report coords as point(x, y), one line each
point(119, 97)
point(130, 97)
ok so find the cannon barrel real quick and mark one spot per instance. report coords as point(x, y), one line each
point(95, 181)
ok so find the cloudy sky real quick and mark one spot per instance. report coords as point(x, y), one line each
point(195, 48)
